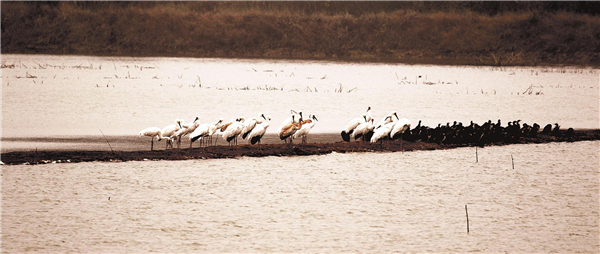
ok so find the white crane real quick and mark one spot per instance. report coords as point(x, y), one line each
point(186, 129)
point(251, 124)
point(346, 132)
point(170, 130)
point(233, 131)
point(259, 131)
point(289, 130)
point(153, 132)
point(387, 119)
point(204, 131)
point(383, 131)
point(307, 125)
point(294, 118)
point(369, 115)
point(363, 130)
point(399, 128)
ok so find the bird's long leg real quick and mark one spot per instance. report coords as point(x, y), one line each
point(152, 144)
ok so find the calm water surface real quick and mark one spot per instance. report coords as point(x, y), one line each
point(366, 202)
point(80, 95)
point(363, 202)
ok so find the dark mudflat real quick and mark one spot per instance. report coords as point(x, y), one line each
point(269, 149)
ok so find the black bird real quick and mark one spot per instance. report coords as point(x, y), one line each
point(534, 130)
point(556, 130)
point(547, 129)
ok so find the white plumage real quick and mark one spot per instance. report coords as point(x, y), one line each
point(382, 132)
point(170, 130)
point(369, 116)
point(363, 129)
point(294, 118)
point(259, 131)
point(153, 132)
point(346, 132)
point(400, 127)
point(289, 130)
point(250, 124)
point(233, 131)
point(186, 129)
point(388, 119)
point(307, 125)
point(204, 131)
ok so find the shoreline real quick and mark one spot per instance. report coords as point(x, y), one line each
point(431, 60)
point(317, 146)
point(403, 32)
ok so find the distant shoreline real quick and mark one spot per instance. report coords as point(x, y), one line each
point(473, 33)
point(372, 60)
point(323, 144)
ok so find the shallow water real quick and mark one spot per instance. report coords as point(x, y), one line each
point(365, 202)
point(81, 95)
point(356, 202)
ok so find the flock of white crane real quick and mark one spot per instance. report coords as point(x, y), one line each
point(252, 129)
point(295, 126)
point(363, 127)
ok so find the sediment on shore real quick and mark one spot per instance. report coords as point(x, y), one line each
point(224, 151)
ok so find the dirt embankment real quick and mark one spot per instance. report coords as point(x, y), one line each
point(49, 156)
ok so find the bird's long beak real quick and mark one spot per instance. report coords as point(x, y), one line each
point(315, 117)
point(397, 118)
point(263, 116)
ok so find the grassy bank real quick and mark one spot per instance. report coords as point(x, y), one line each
point(460, 33)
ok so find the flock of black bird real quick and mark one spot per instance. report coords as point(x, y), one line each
point(487, 133)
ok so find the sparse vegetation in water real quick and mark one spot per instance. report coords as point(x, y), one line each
point(476, 33)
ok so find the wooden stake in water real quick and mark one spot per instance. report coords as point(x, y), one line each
point(111, 146)
point(513, 161)
point(467, 212)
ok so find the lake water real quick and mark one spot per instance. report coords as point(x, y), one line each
point(68, 95)
point(355, 202)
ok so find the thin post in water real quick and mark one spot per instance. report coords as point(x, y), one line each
point(467, 212)
point(109, 142)
point(513, 161)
